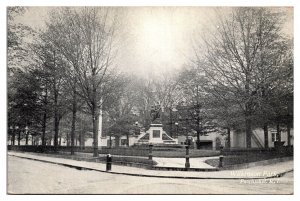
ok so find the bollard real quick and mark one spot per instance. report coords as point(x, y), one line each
point(187, 157)
point(221, 161)
point(150, 151)
point(108, 162)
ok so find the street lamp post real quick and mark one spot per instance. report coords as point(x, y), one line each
point(176, 124)
point(187, 136)
point(137, 129)
point(187, 157)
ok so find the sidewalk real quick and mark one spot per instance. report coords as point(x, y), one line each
point(168, 162)
point(180, 162)
point(258, 172)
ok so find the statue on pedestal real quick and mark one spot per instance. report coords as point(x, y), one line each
point(156, 134)
point(155, 114)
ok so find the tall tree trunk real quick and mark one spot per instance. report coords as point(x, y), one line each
point(199, 129)
point(19, 137)
point(45, 118)
point(171, 123)
point(79, 138)
point(56, 128)
point(228, 138)
point(248, 123)
point(248, 132)
point(248, 109)
point(288, 134)
point(266, 135)
point(127, 137)
point(44, 129)
point(26, 139)
point(265, 126)
point(74, 110)
point(117, 140)
point(68, 139)
point(278, 132)
point(56, 118)
point(56, 112)
point(13, 137)
point(198, 139)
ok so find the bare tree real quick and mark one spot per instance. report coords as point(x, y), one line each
point(51, 65)
point(245, 41)
point(96, 27)
point(195, 109)
point(86, 37)
point(64, 34)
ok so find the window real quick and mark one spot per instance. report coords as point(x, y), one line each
point(156, 133)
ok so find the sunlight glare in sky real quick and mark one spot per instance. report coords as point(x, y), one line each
point(157, 35)
point(156, 40)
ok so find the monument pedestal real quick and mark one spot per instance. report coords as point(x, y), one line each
point(156, 135)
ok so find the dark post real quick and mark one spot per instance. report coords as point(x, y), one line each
point(266, 136)
point(176, 124)
point(228, 138)
point(150, 151)
point(288, 134)
point(187, 157)
point(108, 162)
point(19, 137)
point(26, 139)
point(278, 133)
point(26, 133)
point(221, 161)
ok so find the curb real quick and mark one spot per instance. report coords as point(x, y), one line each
point(257, 163)
point(185, 169)
point(154, 176)
point(98, 159)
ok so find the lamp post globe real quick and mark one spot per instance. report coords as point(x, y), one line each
point(176, 124)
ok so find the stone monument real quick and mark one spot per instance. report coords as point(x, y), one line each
point(156, 134)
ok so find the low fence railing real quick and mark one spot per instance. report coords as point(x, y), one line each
point(284, 150)
point(102, 150)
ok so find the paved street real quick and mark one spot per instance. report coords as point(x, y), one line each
point(33, 177)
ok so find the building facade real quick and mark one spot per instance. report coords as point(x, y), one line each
point(238, 139)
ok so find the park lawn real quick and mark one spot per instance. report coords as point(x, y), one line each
point(159, 152)
point(180, 153)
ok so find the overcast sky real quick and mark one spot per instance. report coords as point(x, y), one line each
point(156, 39)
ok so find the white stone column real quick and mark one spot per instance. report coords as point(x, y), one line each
point(100, 125)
